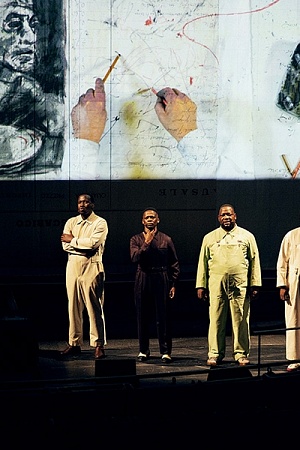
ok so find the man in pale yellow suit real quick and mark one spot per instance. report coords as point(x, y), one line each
point(84, 239)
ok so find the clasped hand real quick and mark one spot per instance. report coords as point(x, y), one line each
point(65, 237)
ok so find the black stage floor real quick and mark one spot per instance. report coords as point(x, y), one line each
point(188, 362)
point(116, 402)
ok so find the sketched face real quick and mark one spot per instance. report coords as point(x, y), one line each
point(18, 29)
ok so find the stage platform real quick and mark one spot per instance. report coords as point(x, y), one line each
point(189, 361)
point(117, 401)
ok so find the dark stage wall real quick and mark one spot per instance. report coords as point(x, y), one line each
point(33, 263)
point(33, 215)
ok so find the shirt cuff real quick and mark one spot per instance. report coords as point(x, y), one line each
point(81, 160)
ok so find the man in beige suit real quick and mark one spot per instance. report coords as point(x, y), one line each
point(84, 239)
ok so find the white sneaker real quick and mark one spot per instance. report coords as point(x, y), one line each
point(293, 367)
point(166, 358)
point(143, 356)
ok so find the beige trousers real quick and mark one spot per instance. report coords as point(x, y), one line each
point(85, 289)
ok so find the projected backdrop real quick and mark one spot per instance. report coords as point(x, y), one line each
point(194, 90)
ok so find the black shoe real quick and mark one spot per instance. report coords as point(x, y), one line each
point(71, 351)
point(99, 352)
point(143, 356)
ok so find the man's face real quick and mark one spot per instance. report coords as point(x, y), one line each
point(150, 219)
point(227, 218)
point(85, 206)
point(18, 27)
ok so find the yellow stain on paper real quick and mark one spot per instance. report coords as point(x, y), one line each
point(130, 114)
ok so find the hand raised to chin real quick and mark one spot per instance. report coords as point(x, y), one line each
point(149, 235)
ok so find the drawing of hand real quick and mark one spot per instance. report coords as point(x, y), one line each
point(89, 115)
point(176, 112)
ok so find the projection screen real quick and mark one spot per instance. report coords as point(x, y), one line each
point(193, 89)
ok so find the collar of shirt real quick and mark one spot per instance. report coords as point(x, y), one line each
point(89, 219)
point(226, 233)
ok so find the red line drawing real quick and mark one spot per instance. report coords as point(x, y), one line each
point(218, 15)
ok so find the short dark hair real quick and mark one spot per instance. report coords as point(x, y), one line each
point(89, 195)
point(150, 208)
point(227, 205)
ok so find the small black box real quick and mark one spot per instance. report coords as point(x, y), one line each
point(18, 344)
point(119, 370)
point(219, 374)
